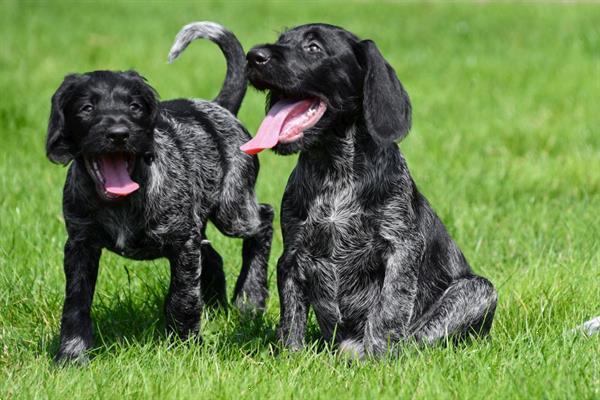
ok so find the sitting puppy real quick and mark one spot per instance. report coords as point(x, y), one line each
point(144, 179)
point(362, 246)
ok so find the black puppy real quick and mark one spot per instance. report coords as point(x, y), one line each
point(145, 178)
point(361, 245)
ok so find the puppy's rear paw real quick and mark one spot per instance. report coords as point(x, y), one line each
point(250, 304)
point(352, 349)
point(589, 328)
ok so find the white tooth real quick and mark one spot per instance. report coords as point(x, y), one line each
point(97, 171)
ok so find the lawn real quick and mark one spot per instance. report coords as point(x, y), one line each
point(505, 145)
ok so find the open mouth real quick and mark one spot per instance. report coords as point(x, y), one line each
point(112, 174)
point(286, 122)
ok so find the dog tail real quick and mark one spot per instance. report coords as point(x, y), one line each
point(235, 84)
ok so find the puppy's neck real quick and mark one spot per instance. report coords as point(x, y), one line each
point(343, 153)
point(333, 155)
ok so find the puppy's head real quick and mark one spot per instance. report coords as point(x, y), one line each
point(106, 120)
point(321, 77)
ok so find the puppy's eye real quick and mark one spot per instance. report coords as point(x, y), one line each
point(87, 108)
point(135, 107)
point(312, 47)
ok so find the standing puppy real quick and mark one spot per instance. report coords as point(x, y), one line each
point(145, 176)
point(362, 246)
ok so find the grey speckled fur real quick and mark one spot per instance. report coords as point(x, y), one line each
point(590, 327)
point(362, 246)
point(190, 170)
point(230, 96)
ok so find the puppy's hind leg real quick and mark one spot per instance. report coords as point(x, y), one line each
point(251, 288)
point(212, 277)
point(254, 223)
point(466, 308)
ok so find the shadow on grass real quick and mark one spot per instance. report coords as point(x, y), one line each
point(226, 333)
point(120, 324)
point(126, 324)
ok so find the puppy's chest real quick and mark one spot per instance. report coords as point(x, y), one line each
point(339, 254)
point(125, 233)
point(338, 229)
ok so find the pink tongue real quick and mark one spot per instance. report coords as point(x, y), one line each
point(116, 177)
point(270, 129)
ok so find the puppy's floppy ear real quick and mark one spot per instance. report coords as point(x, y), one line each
point(386, 106)
point(59, 147)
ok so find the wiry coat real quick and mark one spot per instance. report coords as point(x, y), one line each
point(189, 169)
point(362, 246)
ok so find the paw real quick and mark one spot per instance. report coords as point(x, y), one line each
point(184, 331)
point(64, 359)
point(73, 352)
point(214, 300)
point(250, 303)
point(589, 328)
point(352, 349)
point(292, 347)
point(186, 339)
point(376, 346)
point(289, 343)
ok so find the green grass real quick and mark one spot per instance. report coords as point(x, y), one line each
point(505, 145)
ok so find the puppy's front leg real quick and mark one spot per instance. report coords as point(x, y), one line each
point(81, 270)
point(183, 305)
point(389, 319)
point(293, 304)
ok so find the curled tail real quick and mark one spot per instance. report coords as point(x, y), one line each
point(234, 87)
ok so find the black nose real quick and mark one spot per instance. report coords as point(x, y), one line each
point(117, 134)
point(259, 56)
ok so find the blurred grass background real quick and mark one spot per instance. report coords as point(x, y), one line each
point(505, 145)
